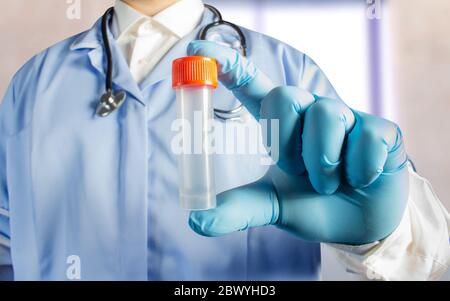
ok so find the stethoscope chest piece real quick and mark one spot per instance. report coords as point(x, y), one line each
point(109, 103)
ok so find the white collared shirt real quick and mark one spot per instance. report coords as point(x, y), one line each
point(145, 40)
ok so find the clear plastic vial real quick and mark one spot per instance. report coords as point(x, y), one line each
point(193, 79)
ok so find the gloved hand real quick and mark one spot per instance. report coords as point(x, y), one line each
point(341, 176)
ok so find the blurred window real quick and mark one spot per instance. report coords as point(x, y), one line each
point(336, 34)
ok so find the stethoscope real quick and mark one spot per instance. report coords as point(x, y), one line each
point(110, 101)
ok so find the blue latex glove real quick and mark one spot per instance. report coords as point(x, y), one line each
point(341, 175)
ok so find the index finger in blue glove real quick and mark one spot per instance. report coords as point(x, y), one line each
point(236, 73)
point(287, 105)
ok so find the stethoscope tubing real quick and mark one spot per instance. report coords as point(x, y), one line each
point(232, 114)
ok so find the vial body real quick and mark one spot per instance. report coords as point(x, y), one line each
point(196, 169)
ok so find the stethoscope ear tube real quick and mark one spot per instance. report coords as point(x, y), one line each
point(243, 43)
point(234, 113)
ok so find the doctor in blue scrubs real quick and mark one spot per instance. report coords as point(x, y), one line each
point(90, 198)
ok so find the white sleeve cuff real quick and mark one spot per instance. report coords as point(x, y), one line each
point(419, 249)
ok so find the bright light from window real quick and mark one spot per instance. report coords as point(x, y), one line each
point(333, 35)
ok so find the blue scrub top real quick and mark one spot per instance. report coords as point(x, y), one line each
point(106, 189)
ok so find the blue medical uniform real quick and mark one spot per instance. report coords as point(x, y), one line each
point(106, 189)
